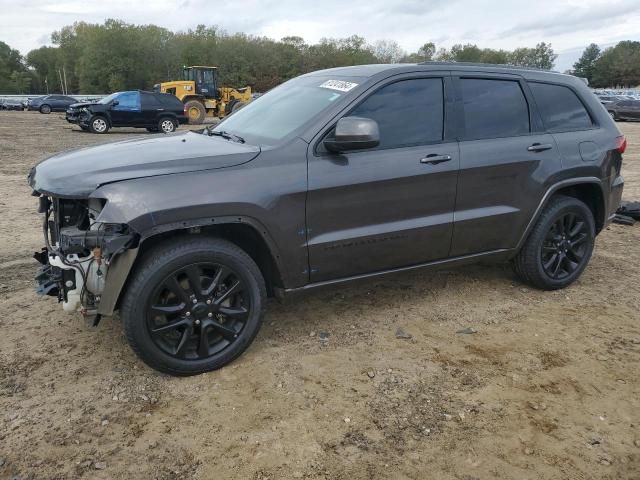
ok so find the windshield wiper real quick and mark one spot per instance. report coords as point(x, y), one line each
point(226, 135)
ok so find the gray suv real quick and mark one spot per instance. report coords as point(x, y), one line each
point(333, 176)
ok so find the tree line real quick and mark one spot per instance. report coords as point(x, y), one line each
point(617, 66)
point(99, 58)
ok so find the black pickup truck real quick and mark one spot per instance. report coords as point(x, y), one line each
point(157, 112)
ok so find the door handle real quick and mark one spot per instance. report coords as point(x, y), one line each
point(539, 147)
point(434, 159)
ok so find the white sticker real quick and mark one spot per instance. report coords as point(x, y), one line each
point(339, 85)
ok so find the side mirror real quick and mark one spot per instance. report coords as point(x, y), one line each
point(114, 103)
point(353, 133)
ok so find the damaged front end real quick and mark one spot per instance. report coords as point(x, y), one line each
point(79, 252)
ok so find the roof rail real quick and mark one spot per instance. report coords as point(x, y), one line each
point(490, 65)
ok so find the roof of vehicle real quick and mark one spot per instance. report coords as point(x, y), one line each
point(370, 70)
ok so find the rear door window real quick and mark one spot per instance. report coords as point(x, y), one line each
point(408, 112)
point(150, 102)
point(494, 108)
point(560, 107)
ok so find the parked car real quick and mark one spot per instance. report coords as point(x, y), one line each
point(606, 99)
point(157, 112)
point(624, 110)
point(10, 104)
point(333, 176)
point(51, 103)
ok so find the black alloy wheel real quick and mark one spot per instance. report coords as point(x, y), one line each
point(198, 311)
point(565, 246)
point(193, 304)
point(559, 246)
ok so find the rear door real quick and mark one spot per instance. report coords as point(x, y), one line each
point(128, 112)
point(151, 109)
point(390, 206)
point(505, 158)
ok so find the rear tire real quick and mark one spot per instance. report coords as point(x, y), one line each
point(167, 308)
point(99, 124)
point(560, 245)
point(195, 112)
point(614, 116)
point(46, 109)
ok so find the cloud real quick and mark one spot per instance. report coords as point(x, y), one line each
point(569, 18)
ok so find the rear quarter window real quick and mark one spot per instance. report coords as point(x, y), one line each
point(560, 108)
point(170, 101)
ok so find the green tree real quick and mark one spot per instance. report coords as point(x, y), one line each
point(541, 56)
point(618, 66)
point(585, 65)
point(13, 72)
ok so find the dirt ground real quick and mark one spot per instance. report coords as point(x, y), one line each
point(547, 387)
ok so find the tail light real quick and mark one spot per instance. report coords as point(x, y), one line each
point(621, 144)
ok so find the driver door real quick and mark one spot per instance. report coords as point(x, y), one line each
point(389, 206)
point(128, 110)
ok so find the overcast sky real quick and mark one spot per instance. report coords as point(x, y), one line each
point(569, 25)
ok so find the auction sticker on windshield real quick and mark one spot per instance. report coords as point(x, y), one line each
point(339, 85)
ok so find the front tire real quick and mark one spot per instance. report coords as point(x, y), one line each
point(195, 112)
point(193, 305)
point(99, 124)
point(560, 245)
point(167, 125)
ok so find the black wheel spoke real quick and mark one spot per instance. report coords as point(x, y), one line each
point(547, 265)
point(568, 220)
point(203, 340)
point(195, 280)
point(174, 287)
point(181, 347)
point(227, 332)
point(576, 229)
point(569, 264)
point(237, 313)
point(168, 309)
point(183, 322)
point(219, 277)
point(558, 263)
point(229, 292)
point(577, 240)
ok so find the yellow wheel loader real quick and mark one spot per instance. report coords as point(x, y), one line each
point(201, 95)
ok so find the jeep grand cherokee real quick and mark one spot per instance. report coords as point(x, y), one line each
point(335, 175)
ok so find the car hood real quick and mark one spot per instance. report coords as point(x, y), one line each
point(80, 104)
point(77, 173)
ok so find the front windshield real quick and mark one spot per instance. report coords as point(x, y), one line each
point(109, 98)
point(281, 111)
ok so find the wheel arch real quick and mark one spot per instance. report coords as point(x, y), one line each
point(586, 189)
point(246, 233)
point(104, 115)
